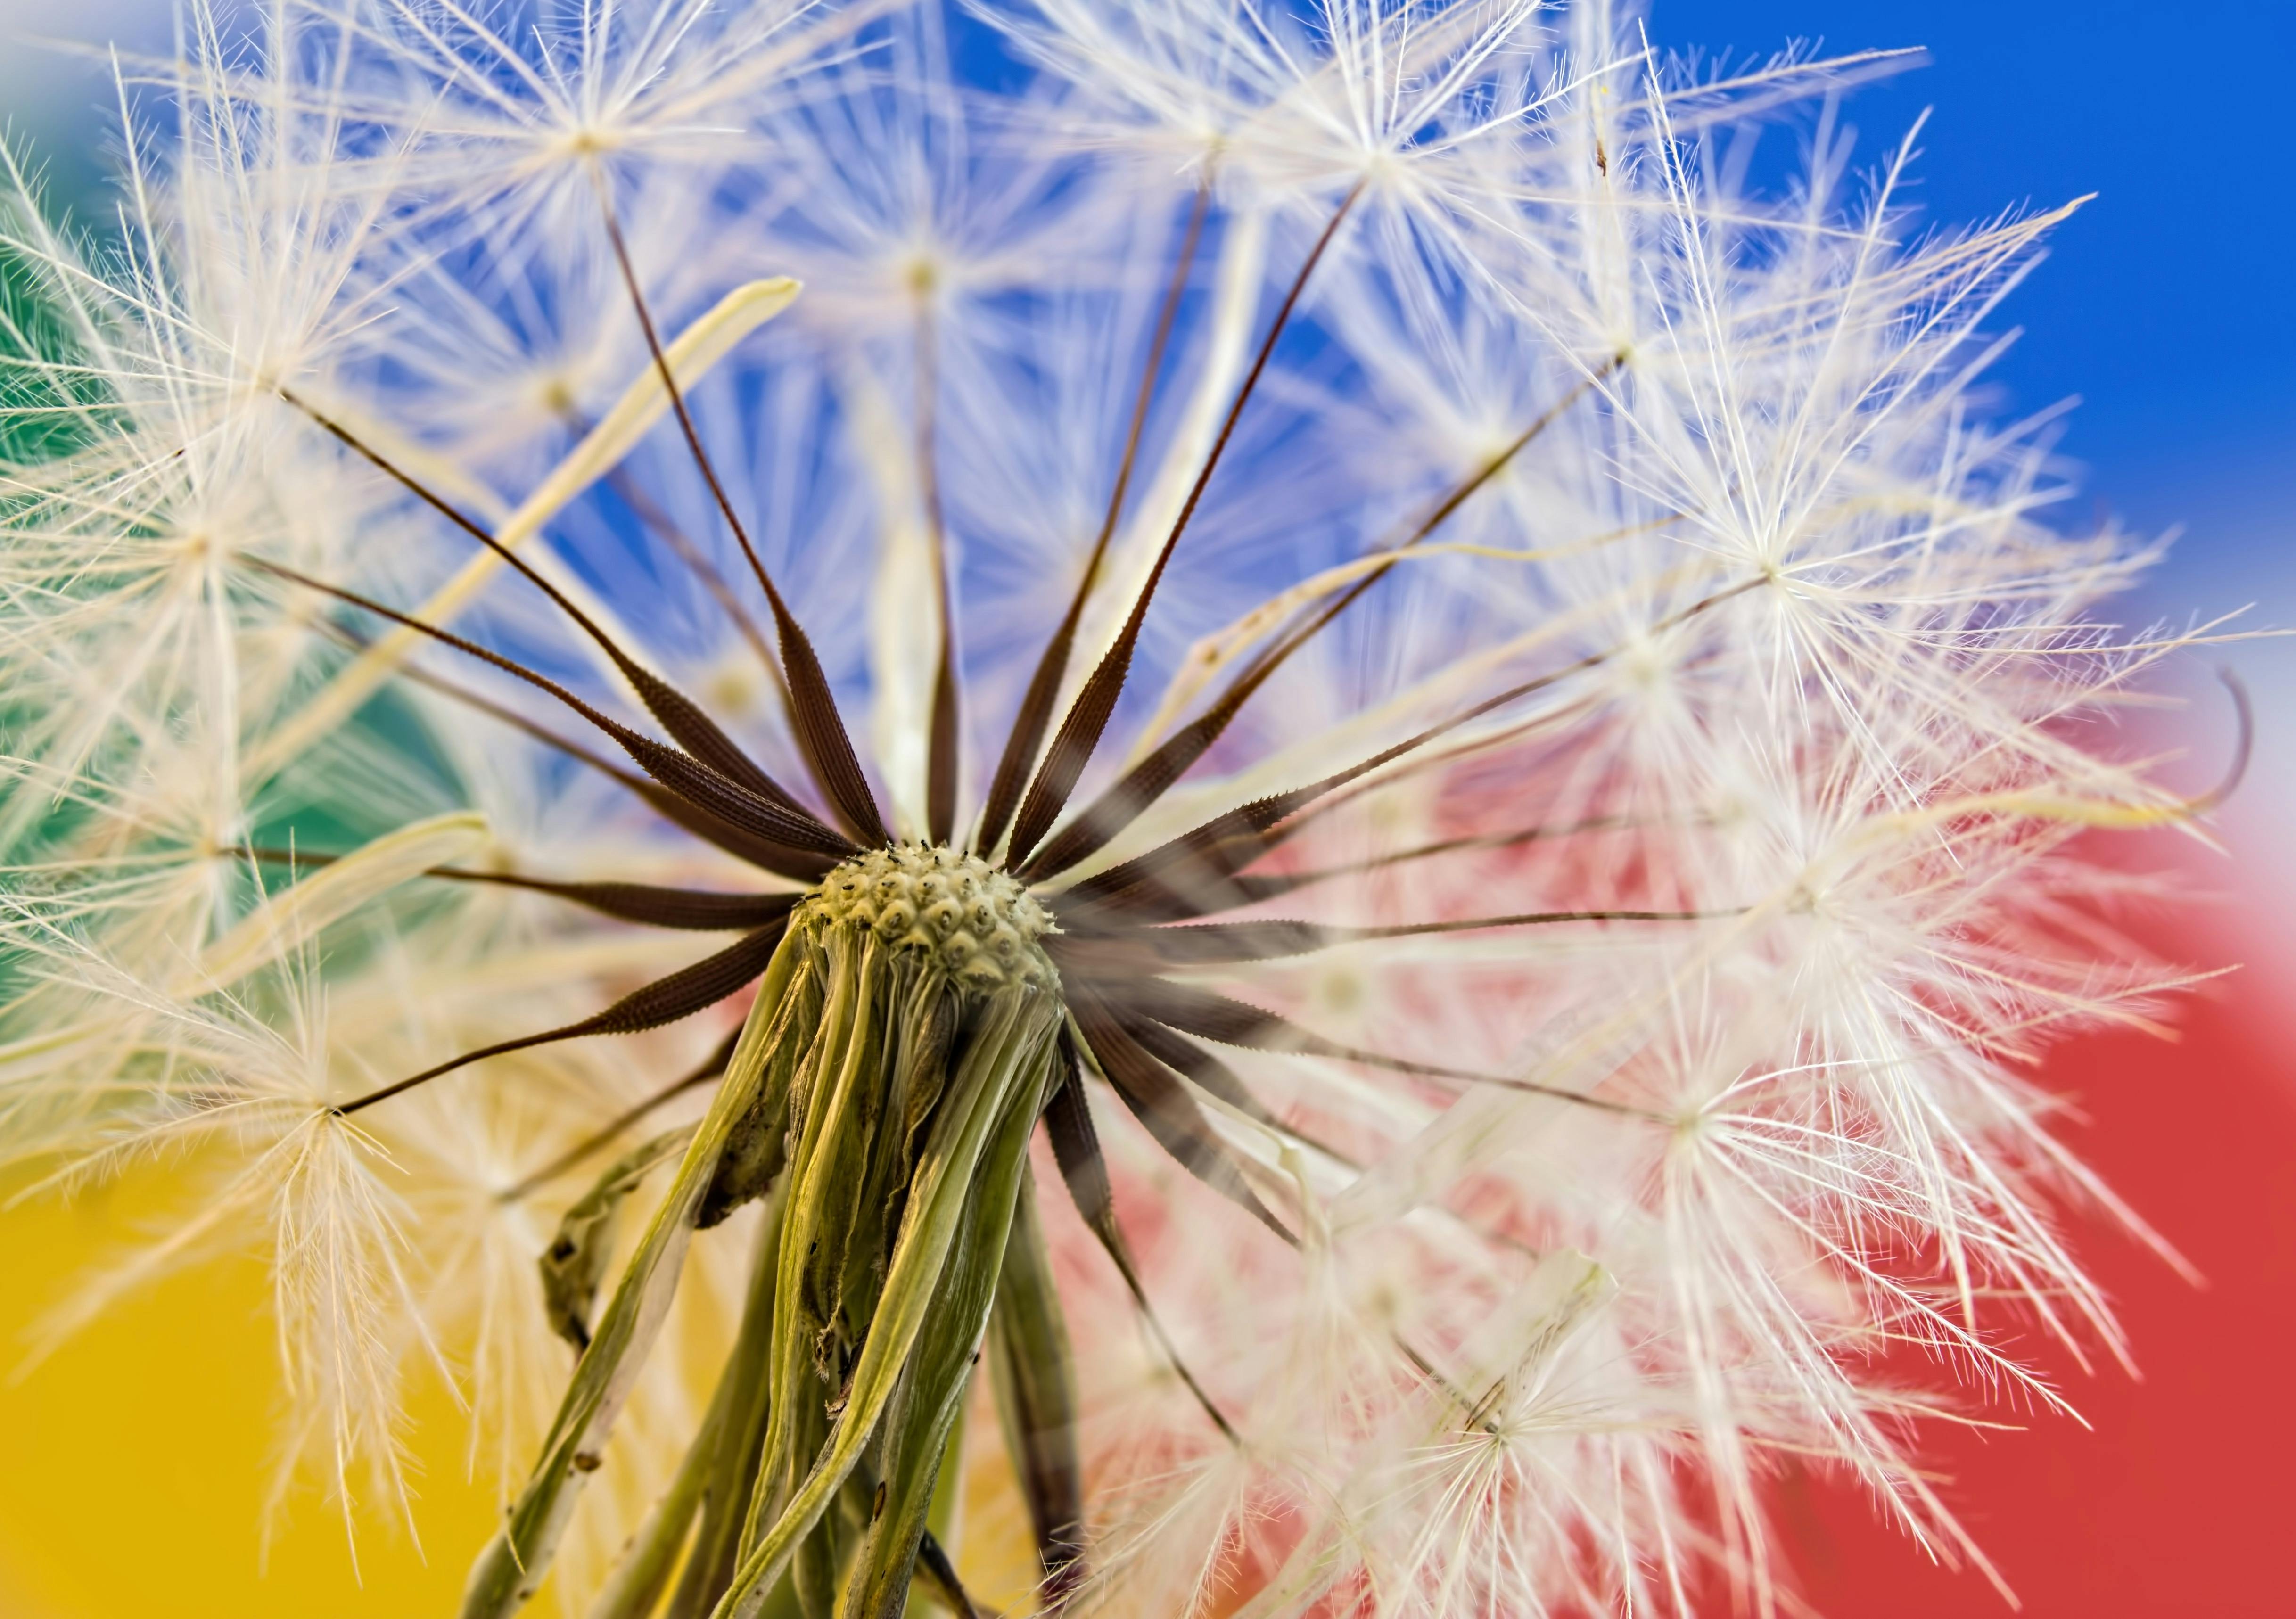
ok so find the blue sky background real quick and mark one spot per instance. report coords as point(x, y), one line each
point(2166, 306)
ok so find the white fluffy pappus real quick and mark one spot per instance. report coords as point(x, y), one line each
point(1547, 722)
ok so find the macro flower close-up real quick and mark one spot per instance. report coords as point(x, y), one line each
point(1055, 807)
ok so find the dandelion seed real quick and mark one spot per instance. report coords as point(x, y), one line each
point(638, 647)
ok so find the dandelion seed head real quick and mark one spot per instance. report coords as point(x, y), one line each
point(657, 637)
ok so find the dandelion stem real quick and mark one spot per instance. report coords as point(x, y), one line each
point(1184, 1008)
point(1206, 942)
point(1087, 717)
point(942, 760)
point(1028, 725)
point(1084, 1171)
point(693, 909)
point(658, 523)
point(708, 1068)
point(1244, 829)
point(934, 1560)
point(821, 730)
point(666, 1000)
point(1158, 1099)
point(689, 779)
point(1152, 776)
point(679, 714)
point(1435, 517)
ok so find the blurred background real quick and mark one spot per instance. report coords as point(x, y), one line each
point(132, 1468)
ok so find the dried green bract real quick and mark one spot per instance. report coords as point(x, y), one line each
point(884, 1091)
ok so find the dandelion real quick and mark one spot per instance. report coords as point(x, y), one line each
point(1378, 779)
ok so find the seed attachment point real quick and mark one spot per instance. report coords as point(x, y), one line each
point(980, 925)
